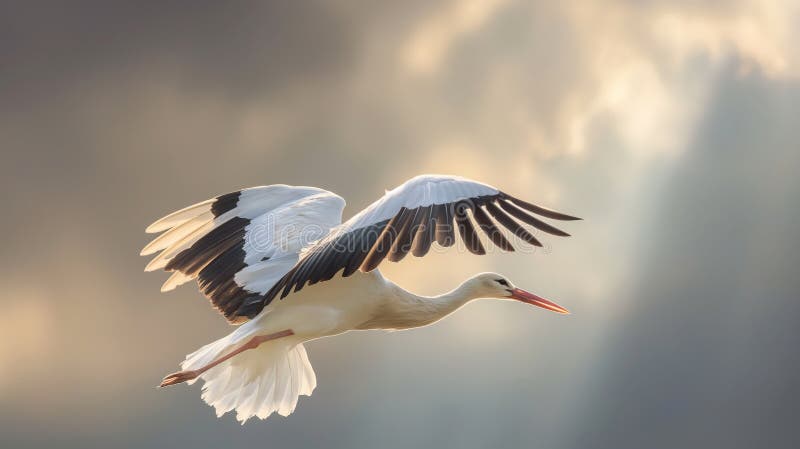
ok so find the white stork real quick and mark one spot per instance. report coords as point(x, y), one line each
point(261, 256)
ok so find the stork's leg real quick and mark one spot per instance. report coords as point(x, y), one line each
point(183, 376)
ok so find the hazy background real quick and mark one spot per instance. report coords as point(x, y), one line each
point(671, 127)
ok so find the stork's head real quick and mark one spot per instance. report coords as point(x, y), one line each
point(493, 285)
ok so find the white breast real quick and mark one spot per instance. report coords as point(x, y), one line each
point(327, 308)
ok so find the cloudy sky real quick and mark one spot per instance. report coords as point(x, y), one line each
point(671, 127)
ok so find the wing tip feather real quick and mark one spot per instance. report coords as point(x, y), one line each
point(171, 220)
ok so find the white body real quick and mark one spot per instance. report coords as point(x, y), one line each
point(271, 377)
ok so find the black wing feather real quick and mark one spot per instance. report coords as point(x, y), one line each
point(531, 220)
point(445, 236)
point(402, 243)
point(425, 232)
point(467, 231)
point(489, 228)
point(511, 225)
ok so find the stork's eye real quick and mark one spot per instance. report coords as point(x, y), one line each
point(502, 282)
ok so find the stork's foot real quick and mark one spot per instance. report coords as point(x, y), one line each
point(183, 376)
point(179, 377)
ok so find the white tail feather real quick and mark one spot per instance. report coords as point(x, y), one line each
point(256, 382)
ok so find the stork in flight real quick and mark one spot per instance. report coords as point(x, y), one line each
point(267, 258)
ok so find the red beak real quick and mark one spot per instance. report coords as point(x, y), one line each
point(530, 298)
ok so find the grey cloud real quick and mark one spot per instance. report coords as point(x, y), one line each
point(233, 48)
point(706, 356)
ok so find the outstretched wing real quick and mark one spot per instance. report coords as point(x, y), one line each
point(409, 219)
point(238, 245)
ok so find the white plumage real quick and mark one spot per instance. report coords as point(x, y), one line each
point(268, 259)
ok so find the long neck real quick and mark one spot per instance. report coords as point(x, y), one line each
point(403, 309)
point(449, 302)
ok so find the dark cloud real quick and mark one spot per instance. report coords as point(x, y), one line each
point(232, 48)
point(706, 356)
